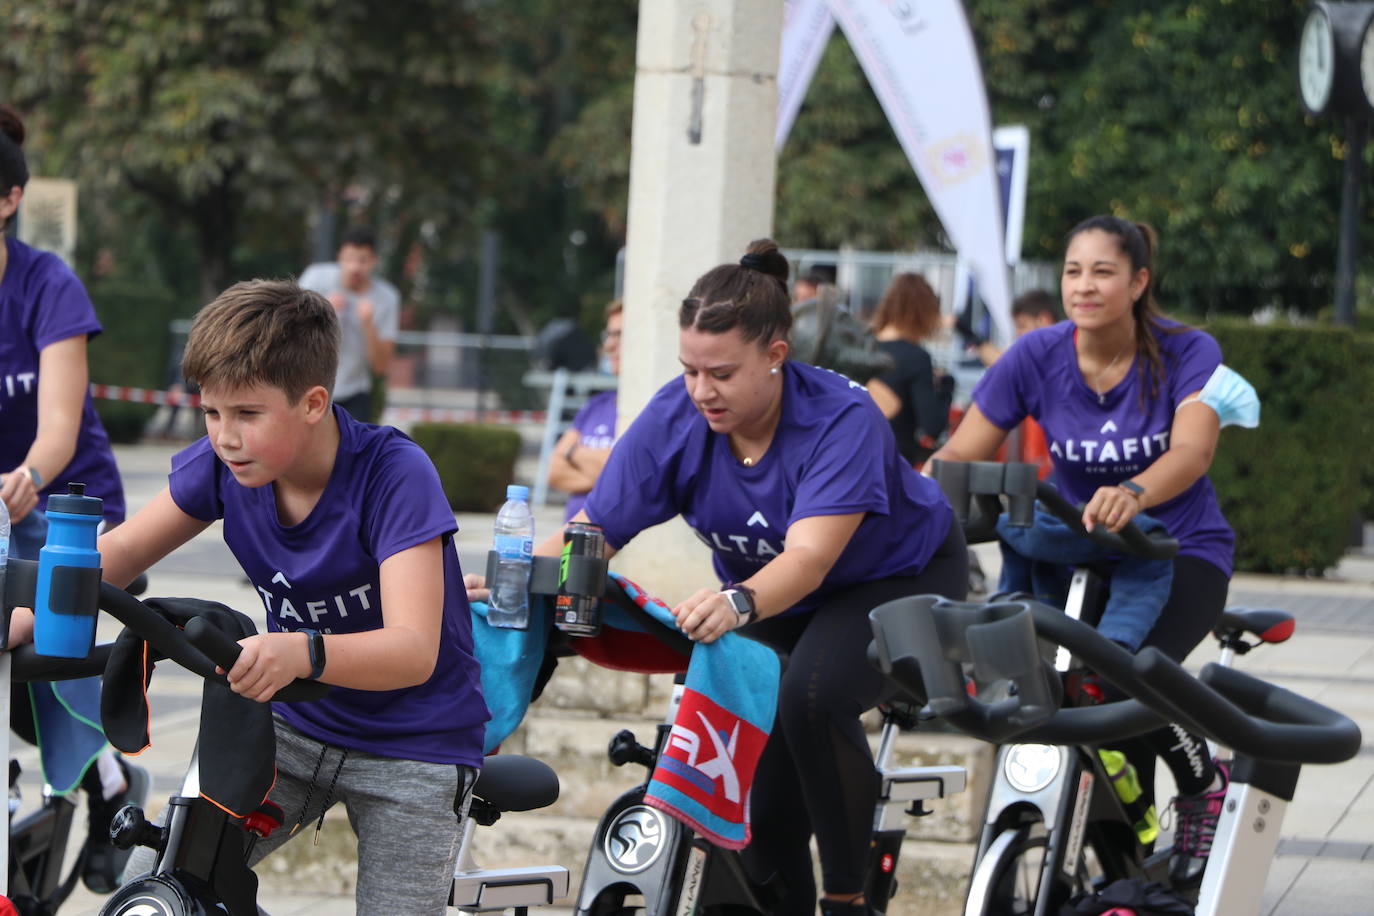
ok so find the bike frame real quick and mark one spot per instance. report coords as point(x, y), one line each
point(639, 850)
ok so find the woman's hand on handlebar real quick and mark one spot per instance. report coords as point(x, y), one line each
point(1111, 506)
point(705, 616)
point(476, 586)
point(268, 663)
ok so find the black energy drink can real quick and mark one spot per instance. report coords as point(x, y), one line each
point(578, 615)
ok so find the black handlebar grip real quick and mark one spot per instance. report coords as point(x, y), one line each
point(1253, 716)
point(223, 650)
point(1155, 546)
point(1095, 724)
point(214, 642)
point(28, 665)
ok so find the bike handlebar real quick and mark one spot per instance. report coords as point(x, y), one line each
point(1156, 545)
point(932, 637)
point(1248, 714)
point(166, 639)
point(975, 490)
point(224, 650)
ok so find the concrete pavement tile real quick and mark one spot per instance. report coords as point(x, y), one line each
point(306, 905)
point(1283, 872)
point(1333, 802)
point(1333, 887)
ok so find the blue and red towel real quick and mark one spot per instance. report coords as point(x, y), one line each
point(706, 770)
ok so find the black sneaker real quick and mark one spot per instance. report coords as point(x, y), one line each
point(104, 864)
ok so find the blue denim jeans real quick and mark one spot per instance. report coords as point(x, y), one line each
point(27, 537)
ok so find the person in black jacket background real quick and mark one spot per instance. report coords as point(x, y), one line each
point(911, 396)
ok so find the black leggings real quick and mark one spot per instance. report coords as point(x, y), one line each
point(1196, 600)
point(816, 774)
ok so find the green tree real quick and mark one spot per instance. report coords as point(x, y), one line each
point(229, 113)
point(1183, 114)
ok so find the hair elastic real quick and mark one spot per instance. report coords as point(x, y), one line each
point(753, 262)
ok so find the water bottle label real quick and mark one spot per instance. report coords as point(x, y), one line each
point(513, 546)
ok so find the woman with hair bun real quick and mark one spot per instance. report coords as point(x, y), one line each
point(1119, 390)
point(792, 476)
point(50, 435)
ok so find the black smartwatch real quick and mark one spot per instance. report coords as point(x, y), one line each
point(315, 640)
point(741, 599)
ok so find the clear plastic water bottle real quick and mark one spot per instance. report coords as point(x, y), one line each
point(4, 544)
point(513, 542)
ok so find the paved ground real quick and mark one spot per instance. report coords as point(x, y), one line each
point(1326, 859)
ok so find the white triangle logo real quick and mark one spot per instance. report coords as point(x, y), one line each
point(756, 519)
point(281, 578)
point(1109, 427)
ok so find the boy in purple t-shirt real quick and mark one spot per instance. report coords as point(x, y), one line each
point(344, 531)
point(1120, 391)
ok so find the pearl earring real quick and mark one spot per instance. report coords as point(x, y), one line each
point(773, 371)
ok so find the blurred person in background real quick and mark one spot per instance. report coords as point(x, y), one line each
point(50, 434)
point(912, 395)
point(369, 311)
point(807, 286)
point(1030, 311)
point(582, 451)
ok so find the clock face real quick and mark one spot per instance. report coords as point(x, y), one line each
point(1316, 61)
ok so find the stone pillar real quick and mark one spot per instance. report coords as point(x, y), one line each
point(702, 171)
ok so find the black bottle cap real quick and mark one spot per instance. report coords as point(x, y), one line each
point(75, 501)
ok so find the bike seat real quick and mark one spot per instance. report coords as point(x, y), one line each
point(1265, 624)
point(509, 782)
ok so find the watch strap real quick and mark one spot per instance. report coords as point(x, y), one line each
point(1135, 489)
point(741, 598)
point(315, 643)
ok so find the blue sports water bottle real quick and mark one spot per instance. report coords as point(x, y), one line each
point(67, 597)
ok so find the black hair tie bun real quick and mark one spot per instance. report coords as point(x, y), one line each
point(753, 262)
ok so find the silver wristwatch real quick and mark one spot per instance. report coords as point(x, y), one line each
point(741, 599)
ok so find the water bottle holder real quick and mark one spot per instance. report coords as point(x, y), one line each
point(74, 591)
point(586, 575)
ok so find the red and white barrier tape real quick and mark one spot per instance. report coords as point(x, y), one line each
point(393, 414)
point(144, 395)
point(463, 415)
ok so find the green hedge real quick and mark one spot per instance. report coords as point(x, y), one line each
point(1293, 487)
point(475, 462)
point(133, 350)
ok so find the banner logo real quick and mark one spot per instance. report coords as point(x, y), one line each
point(955, 158)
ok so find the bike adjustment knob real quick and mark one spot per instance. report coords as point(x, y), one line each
point(130, 828)
point(625, 749)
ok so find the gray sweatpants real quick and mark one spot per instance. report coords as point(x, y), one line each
point(407, 815)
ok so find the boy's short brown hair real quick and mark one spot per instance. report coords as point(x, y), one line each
point(264, 332)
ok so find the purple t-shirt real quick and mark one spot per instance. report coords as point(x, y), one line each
point(595, 423)
point(41, 303)
point(383, 497)
point(832, 454)
point(1101, 444)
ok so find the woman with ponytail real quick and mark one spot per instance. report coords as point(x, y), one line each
point(1117, 389)
point(792, 476)
point(50, 434)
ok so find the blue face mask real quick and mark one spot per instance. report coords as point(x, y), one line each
point(1233, 398)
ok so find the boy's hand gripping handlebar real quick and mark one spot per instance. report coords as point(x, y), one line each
point(165, 639)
